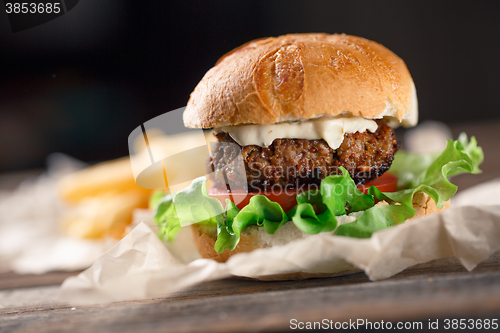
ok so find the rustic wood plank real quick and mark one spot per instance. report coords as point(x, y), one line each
point(29, 297)
point(11, 280)
point(437, 289)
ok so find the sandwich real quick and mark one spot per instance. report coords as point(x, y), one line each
point(306, 144)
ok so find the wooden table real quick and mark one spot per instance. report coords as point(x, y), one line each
point(433, 291)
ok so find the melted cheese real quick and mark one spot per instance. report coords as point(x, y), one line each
point(332, 130)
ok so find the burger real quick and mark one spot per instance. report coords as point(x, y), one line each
point(306, 143)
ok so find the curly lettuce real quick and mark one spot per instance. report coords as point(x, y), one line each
point(459, 156)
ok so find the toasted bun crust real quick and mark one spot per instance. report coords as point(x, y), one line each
point(303, 76)
point(253, 237)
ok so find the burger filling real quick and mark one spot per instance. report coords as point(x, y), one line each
point(295, 163)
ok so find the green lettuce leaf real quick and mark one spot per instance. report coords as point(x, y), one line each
point(408, 166)
point(226, 239)
point(338, 195)
point(304, 215)
point(459, 156)
point(155, 198)
point(166, 218)
point(411, 168)
point(191, 205)
point(260, 211)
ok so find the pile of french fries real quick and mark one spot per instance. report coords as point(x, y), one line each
point(101, 199)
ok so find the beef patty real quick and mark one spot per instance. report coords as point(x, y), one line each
point(293, 163)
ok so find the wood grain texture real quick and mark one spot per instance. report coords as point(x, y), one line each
point(12, 280)
point(437, 289)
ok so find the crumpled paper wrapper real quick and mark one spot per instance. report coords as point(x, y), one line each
point(141, 266)
point(31, 239)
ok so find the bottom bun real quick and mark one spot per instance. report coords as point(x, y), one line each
point(254, 237)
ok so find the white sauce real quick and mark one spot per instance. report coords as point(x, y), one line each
point(332, 130)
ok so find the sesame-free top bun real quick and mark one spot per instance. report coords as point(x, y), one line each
point(303, 76)
point(254, 237)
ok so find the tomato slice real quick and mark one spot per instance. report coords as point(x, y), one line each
point(286, 199)
point(385, 183)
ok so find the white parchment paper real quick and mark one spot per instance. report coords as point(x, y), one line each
point(31, 239)
point(141, 266)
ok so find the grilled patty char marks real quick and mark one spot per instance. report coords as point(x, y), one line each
point(294, 163)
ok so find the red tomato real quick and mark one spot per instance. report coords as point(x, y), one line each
point(385, 183)
point(286, 199)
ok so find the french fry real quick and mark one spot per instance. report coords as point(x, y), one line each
point(101, 200)
point(113, 176)
point(104, 215)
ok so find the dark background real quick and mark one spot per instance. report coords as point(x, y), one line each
point(81, 83)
